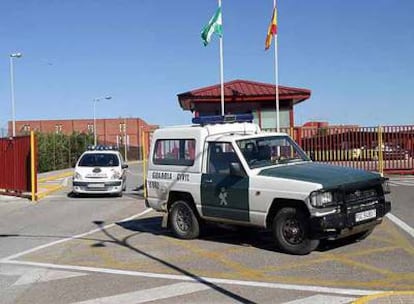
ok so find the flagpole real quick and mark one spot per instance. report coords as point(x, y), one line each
point(276, 78)
point(221, 67)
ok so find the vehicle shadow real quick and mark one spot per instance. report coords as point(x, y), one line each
point(124, 242)
point(92, 196)
point(227, 234)
point(220, 233)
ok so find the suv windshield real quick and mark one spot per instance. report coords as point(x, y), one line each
point(99, 160)
point(271, 150)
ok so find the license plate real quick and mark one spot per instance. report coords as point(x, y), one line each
point(365, 215)
point(96, 185)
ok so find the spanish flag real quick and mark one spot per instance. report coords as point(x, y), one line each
point(272, 30)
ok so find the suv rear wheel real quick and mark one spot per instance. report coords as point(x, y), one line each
point(291, 231)
point(183, 221)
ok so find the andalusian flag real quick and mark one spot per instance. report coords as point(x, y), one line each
point(272, 30)
point(213, 26)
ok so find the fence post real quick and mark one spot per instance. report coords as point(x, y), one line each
point(380, 152)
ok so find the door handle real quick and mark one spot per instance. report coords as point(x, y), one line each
point(208, 181)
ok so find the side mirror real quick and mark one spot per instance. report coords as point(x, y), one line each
point(236, 169)
point(124, 166)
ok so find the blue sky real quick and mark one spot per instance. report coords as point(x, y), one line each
point(356, 56)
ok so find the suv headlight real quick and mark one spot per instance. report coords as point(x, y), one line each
point(77, 176)
point(321, 199)
point(386, 186)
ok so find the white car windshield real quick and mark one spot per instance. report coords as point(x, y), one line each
point(99, 160)
point(271, 150)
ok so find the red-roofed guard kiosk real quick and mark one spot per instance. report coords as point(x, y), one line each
point(244, 96)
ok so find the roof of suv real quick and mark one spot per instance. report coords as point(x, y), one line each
point(206, 130)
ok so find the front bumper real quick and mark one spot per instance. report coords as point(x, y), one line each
point(97, 187)
point(343, 223)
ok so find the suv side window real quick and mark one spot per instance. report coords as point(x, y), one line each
point(174, 152)
point(220, 155)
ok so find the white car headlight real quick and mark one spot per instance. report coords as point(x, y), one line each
point(116, 175)
point(77, 175)
point(320, 199)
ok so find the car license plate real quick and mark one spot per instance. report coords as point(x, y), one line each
point(365, 215)
point(96, 185)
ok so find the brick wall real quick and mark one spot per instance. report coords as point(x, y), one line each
point(110, 131)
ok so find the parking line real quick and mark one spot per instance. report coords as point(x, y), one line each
point(311, 288)
point(149, 295)
point(401, 224)
point(387, 297)
point(54, 177)
point(322, 299)
point(17, 255)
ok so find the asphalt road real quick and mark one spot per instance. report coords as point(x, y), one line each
point(113, 250)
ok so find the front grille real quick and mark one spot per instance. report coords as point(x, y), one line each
point(361, 195)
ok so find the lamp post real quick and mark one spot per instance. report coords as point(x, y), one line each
point(95, 100)
point(14, 55)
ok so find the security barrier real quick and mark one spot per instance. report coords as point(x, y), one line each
point(388, 149)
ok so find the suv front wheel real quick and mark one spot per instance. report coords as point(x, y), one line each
point(183, 221)
point(291, 232)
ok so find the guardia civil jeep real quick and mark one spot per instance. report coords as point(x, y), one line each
point(234, 173)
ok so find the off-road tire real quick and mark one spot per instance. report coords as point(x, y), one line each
point(291, 232)
point(183, 221)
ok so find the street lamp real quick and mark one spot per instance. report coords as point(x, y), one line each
point(14, 55)
point(95, 100)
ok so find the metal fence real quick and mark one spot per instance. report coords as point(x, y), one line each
point(388, 149)
point(15, 165)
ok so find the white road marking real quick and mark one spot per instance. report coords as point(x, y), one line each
point(45, 275)
point(401, 224)
point(152, 294)
point(17, 255)
point(317, 289)
point(402, 183)
point(322, 299)
point(13, 270)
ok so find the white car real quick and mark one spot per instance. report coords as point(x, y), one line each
point(100, 171)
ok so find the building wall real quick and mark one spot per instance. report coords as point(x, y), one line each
point(109, 131)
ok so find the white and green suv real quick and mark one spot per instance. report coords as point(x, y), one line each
point(236, 174)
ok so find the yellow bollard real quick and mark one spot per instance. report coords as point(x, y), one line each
point(32, 165)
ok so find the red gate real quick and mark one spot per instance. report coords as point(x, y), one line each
point(15, 166)
point(388, 149)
